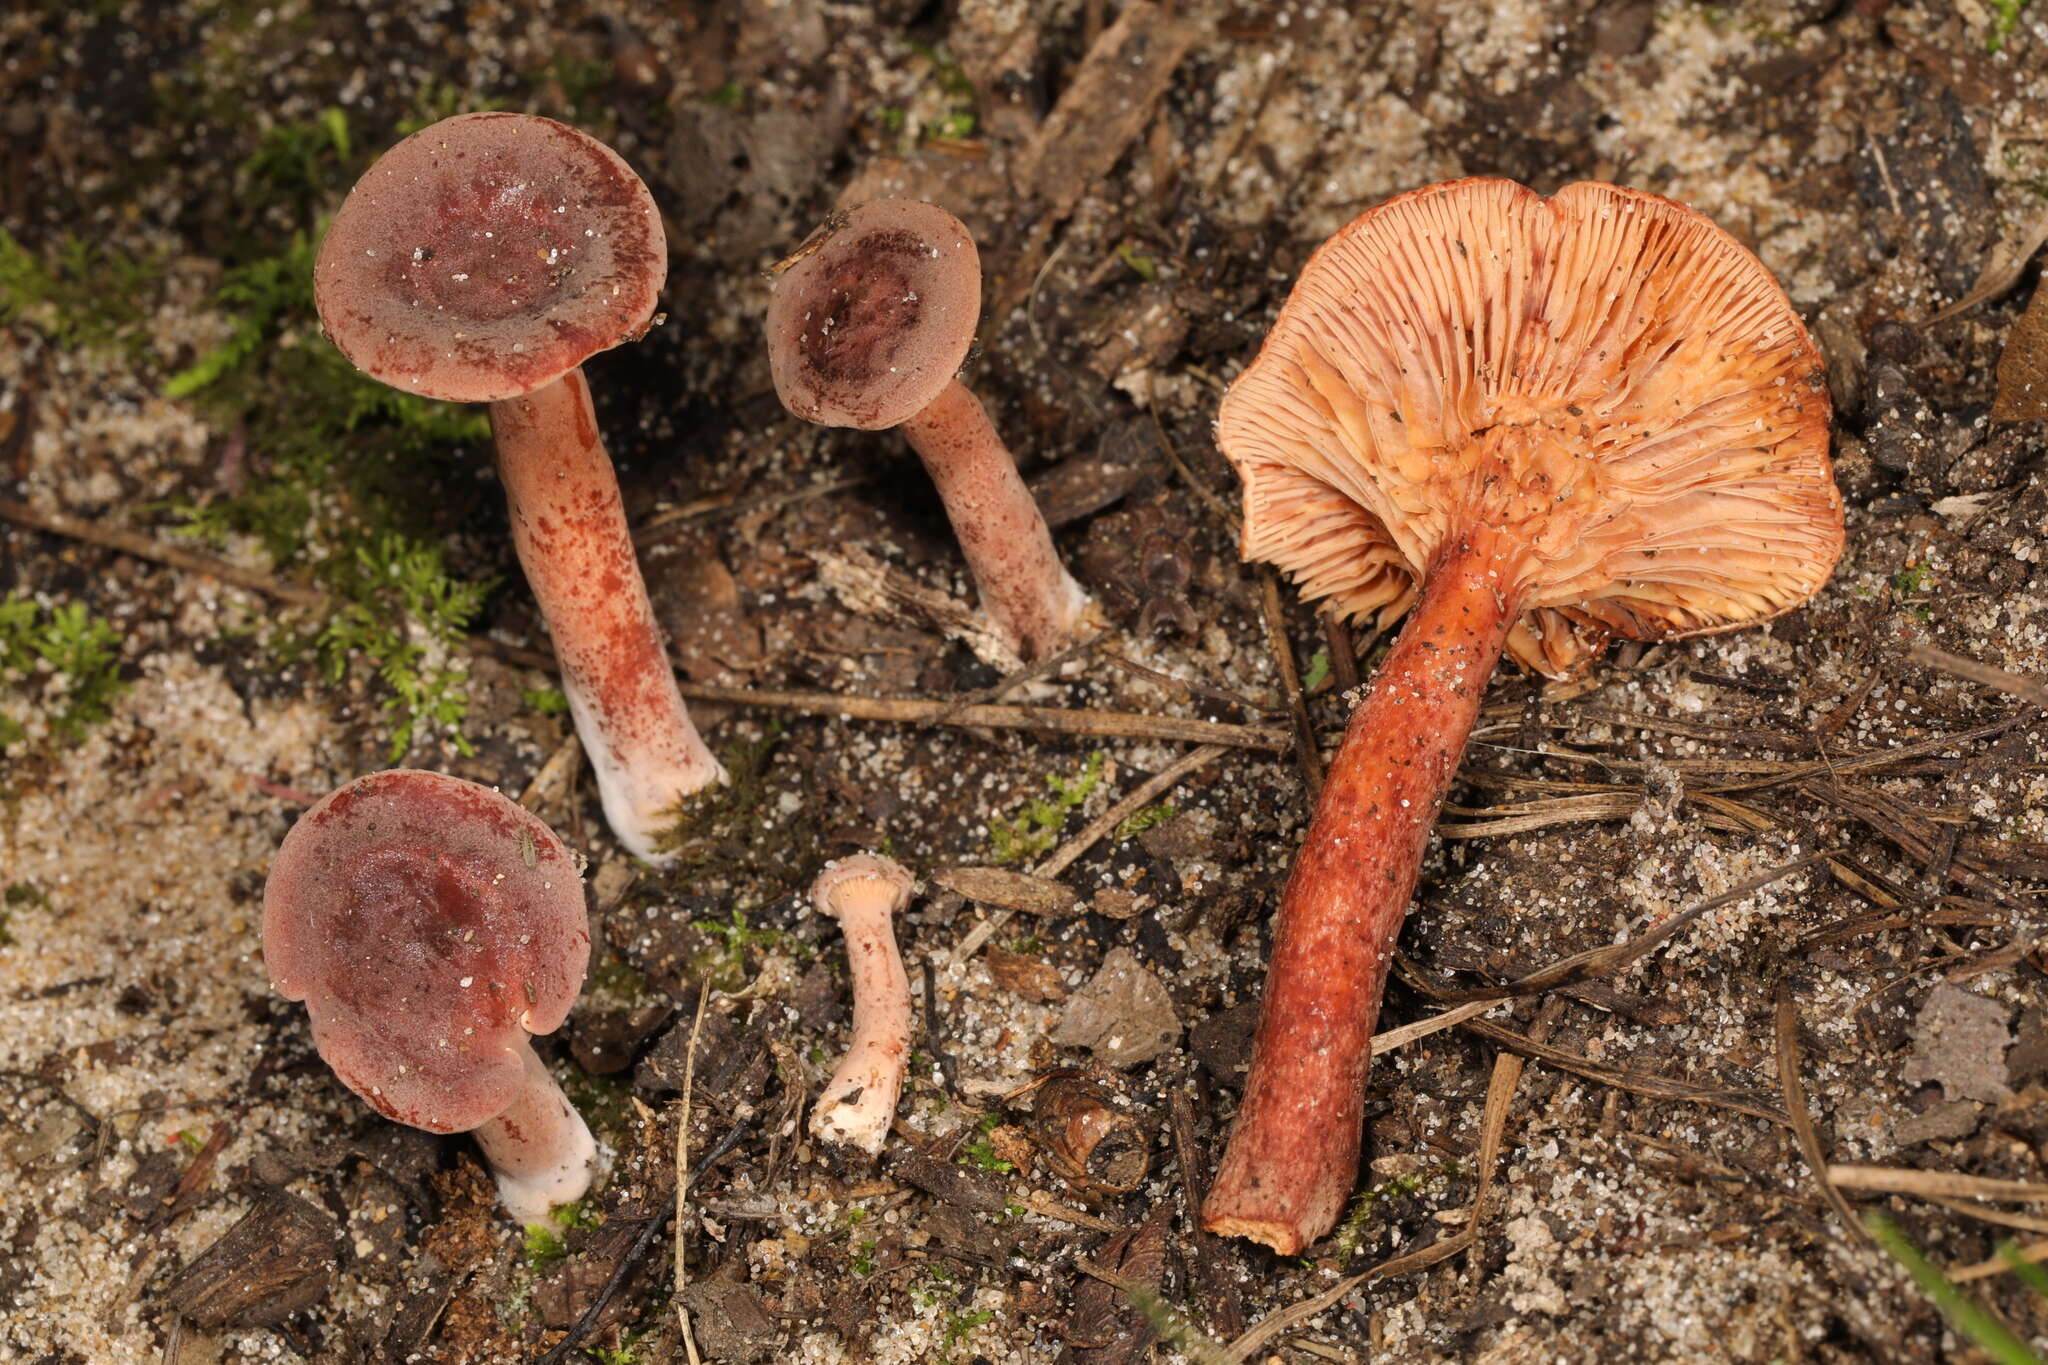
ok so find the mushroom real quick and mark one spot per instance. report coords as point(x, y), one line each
point(482, 260)
point(1531, 424)
point(869, 325)
point(432, 927)
point(864, 893)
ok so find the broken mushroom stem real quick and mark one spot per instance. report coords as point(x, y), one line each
point(569, 527)
point(1293, 1153)
point(1023, 586)
point(858, 1104)
point(539, 1146)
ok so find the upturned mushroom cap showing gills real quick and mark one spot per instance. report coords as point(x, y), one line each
point(430, 926)
point(487, 255)
point(1605, 376)
point(874, 315)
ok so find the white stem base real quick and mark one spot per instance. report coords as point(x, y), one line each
point(636, 792)
point(539, 1148)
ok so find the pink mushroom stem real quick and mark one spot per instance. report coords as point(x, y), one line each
point(1023, 586)
point(538, 1145)
point(1293, 1153)
point(569, 526)
point(858, 1104)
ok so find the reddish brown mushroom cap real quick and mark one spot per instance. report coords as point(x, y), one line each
point(1605, 375)
point(874, 316)
point(488, 255)
point(430, 925)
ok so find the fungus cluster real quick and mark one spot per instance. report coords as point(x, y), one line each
point(870, 323)
point(432, 928)
point(1530, 424)
point(483, 260)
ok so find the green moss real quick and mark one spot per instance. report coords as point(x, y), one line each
point(960, 1326)
point(733, 834)
point(1351, 1232)
point(66, 658)
point(581, 81)
point(1318, 670)
point(622, 1354)
point(959, 119)
point(606, 1103)
point(619, 980)
point(2005, 17)
point(1036, 827)
point(406, 619)
point(862, 1262)
point(980, 1153)
point(437, 100)
point(79, 295)
point(549, 701)
point(1143, 266)
point(18, 896)
point(341, 486)
point(1148, 818)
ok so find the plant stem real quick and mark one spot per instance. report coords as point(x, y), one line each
point(1293, 1153)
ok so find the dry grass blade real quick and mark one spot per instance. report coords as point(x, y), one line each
point(1761, 773)
point(1383, 1043)
point(1741, 736)
point(157, 552)
point(1030, 672)
point(1208, 499)
point(1838, 767)
point(1793, 1086)
point(1521, 817)
point(1927, 1184)
point(913, 711)
point(1306, 751)
point(669, 520)
point(905, 710)
point(2030, 1252)
point(682, 1278)
point(1598, 962)
point(2023, 1221)
point(1525, 816)
point(2013, 684)
point(1637, 1082)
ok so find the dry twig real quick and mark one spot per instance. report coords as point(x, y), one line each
point(1306, 750)
point(1927, 1184)
point(1794, 1088)
point(2013, 684)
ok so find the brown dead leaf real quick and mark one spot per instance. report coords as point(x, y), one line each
point(1007, 890)
point(1960, 1040)
point(1025, 974)
point(2023, 368)
point(1124, 1016)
